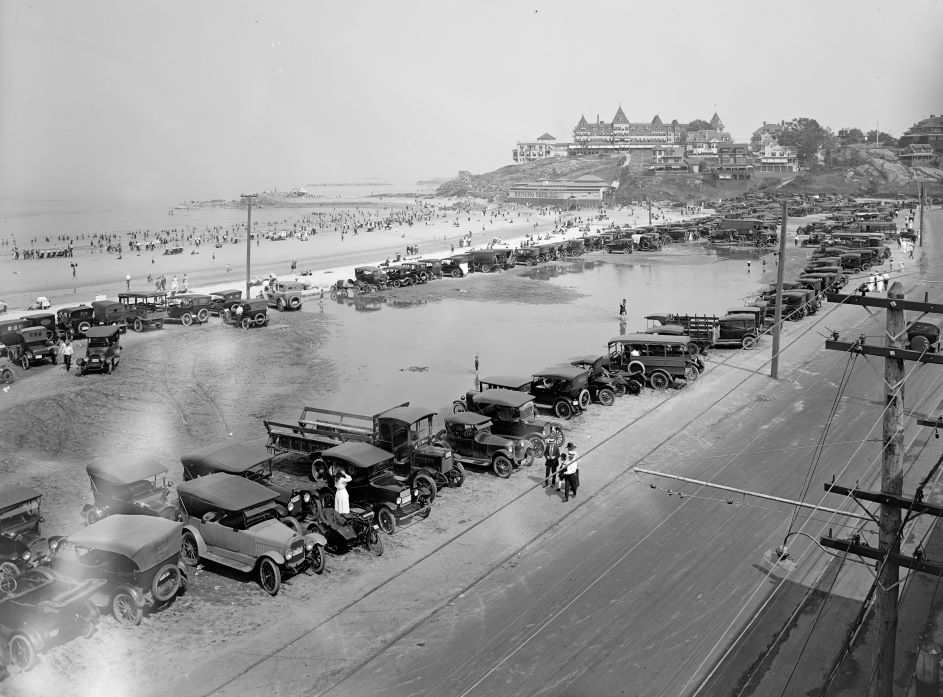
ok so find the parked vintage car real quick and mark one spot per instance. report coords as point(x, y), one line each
point(399, 275)
point(73, 322)
point(620, 245)
point(46, 320)
point(255, 464)
point(144, 310)
point(738, 330)
point(512, 413)
point(102, 351)
point(109, 312)
point(247, 313)
point(469, 436)
point(129, 486)
point(234, 522)
point(343, 532)
point(407, 432)
point(374, 484)
point(600, 379)
point(662, 358)
point(22, 545)
point(488, 260)
point(30, 346)
point(136, 557)
point(528, 256)
point(189, 308)
point(43, 609)
point(457, 265)
point(223, 300)
point(372, 276)
point(424, 269)
point(554, 393)
point(284, 295)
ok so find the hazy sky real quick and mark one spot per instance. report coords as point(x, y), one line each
point(173, 100)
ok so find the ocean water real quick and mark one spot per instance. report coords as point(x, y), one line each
point(24, 219)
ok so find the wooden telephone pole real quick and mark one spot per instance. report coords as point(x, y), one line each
point(778, 317)
point(248, 199)
point(887, 554)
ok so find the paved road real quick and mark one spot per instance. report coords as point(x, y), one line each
point(634, 591)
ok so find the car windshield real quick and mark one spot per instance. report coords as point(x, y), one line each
point(254, 516)
point(15, 516)
point(142, 488)
point(525, 412)
point(98, 341)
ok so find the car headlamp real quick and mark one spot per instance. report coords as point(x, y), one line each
point(309, 545)
point(291, 506)
point(306, 497)
point(25, 556)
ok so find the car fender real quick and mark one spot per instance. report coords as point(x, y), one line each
point(200, 544)
point(315, 537)
point(136, 593)
point(276, 557)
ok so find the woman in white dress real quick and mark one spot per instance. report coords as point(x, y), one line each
point(341, 499)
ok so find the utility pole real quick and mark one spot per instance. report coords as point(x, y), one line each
point(895, 351)
point(248, 199)
point(778, 317)
point(892, 483)
point(649, 211)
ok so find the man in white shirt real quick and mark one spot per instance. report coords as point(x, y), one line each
point(571, 472)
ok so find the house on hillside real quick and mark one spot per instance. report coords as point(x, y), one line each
point(734, 162)
point(669, 158)
point(928, 132)
point(587, 191)
point(768, 133)
point(917, 154)
point(704, 143)
point(532, 150)
point(778, 159)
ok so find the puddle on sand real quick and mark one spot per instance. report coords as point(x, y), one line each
point(516, 323)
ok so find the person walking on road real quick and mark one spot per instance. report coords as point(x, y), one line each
point(571, 472)
point(622, 310)
point(551, 462)
point(127, 281)
point(67, 350)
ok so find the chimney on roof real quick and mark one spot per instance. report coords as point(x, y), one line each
point(597, 118)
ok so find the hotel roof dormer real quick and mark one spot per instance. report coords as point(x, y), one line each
point(657, 121)
point(620, 118)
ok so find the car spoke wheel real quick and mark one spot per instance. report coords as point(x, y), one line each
point(537, 444)
point(634, 387)
point(423, 480)
point(327, 499)
point(245, 323)
point(270, 577)
point(585, 399)
point(280, 305)
point(457, 475)
point(749, 342)
point(138, 325)
point(189, 550)
point(386, 520)
point(557, 435)
point(456, 273)
point(24, 363)
point(375, 542)
point(606, 397)
point(502, 466)
point(317, 559)
point(87, 615)
point(202, 315)
point(186, 319)
point(563, 409)
point(691, 373)
point(660, 380)
point(22, 651)
point(126, 611)
point(618, 389)
point(166, 583)
point(6, 376)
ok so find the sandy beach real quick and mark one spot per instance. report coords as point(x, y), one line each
point(328, 255)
